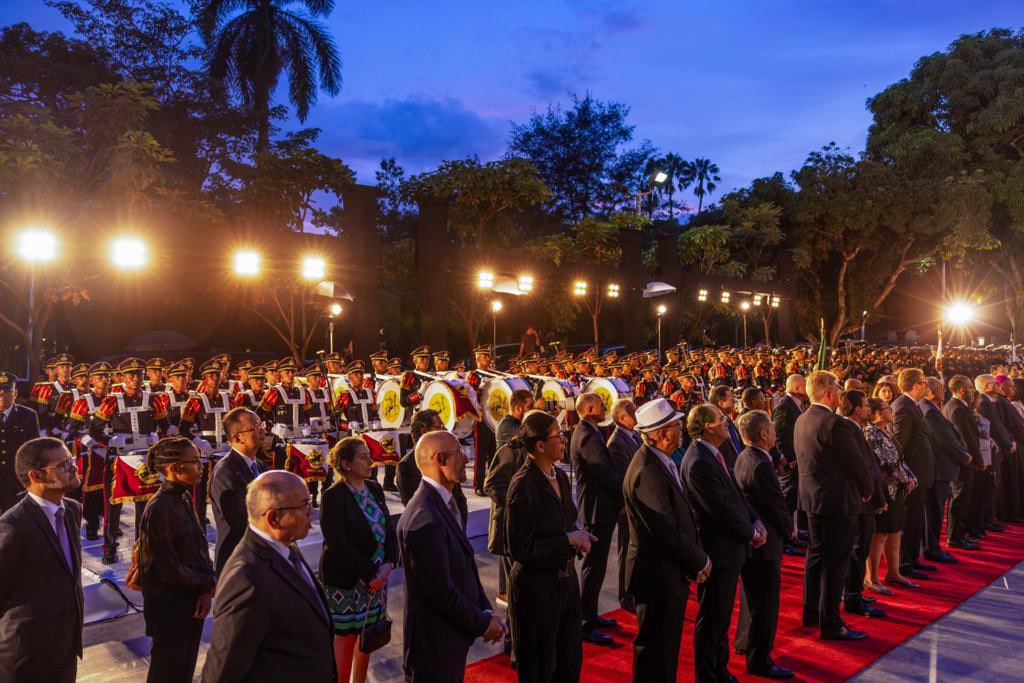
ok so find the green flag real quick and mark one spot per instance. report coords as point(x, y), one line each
point(822, 350)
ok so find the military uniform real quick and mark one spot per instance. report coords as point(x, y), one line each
point(202, 421)
point(155, 382)
point(285, 406)
point(91, 463)
point(484, 440)
point(18, 424)
point(48, 398)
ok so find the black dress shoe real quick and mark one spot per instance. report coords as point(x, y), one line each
point(793, 550)
point(773, 672)
point(809, 622)
point(914, 574)
point(109, 556)
point(921, 567)
point(605, 622)
point(868, 599)
point(597, 638)
point(964, 545)
point(845, 634)
point(864, 610)
point(998, 528)
point(942, 557)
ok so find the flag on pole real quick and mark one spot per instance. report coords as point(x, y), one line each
point(822, 349)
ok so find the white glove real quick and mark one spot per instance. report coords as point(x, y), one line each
point(116, 441)
point(88, 441)
point(172, 430)
point(151, 439)
point(279, 430)
point(306, 431)
point(203, 445)
point(354, 426)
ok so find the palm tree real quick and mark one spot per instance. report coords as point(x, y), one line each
point(250, 50)
point(680, 177)
point(705, 175)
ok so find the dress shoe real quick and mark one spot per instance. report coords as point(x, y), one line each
point(904, 582)
point(597, 638)
point(109, 556)
point(964, 545)
point(605, 622)
point(868, 599)
point(845, 634)
point(914, 574)
point(864, 610)
point(942, 557)
point(921, 567)
point(878, 588)
point(794, 550)
point(773, 672)
point(998, 528)
point(91, 535)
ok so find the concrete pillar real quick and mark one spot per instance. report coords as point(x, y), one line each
point(363, 275)
point(431, 268)
point(670, 272)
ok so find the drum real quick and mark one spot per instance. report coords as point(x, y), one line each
point(132, 480)
point(455, 401)
point(452, 374)
point(561, 395)
point(338, 384)
point(392, 413)
point(610, 389)
point(385, 447)
point(307, 457)
point(496, 396)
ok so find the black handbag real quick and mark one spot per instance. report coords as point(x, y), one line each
point(374, 636)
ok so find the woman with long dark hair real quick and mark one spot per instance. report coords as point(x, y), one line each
point(174, 564)
point(541, 536)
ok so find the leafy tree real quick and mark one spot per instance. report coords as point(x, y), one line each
point(394, 214)
point(250, 51)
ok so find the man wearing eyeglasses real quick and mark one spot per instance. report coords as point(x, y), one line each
point(40, 569)
point(270, 617)
point(18, 424)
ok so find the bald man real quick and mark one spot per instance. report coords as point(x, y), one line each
point(445, 605)
point(270, 618)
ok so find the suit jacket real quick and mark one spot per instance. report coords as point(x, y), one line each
point(755, 475)
point(268, 623)
point(1011, 419)
point(40, 597)
point(950, 452)
point(622, 446)
point(598, 486)
point(960, 416)
point(504, 465)
point(911, 432)
point(724, 520)
point(784, 416)
point(230, 478)
point(349, 544)
point(507, 429)
point(538, 520)
point(664, 553)
point(20, 426)
point(997, 430)
point(833, 476)
point(445, 605)
point(408, 478)
point(879, 490)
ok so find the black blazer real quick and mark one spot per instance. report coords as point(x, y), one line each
point(40, 598)
point(504, 465)
point(879, 491)
point(1011, 419)
point(22, 425)
point(408, 478)
point(784, 416)
point(268, 623)
point(724, 520)
point(598, 486)
point(957, 412)
point(349, 543)
point(538, 521)
point(622, 446)
point(507, 429)
point(445, 605)
point(950, 452)
point(227, 495)
point(663, 554)
point(833, 476)
point(755, 475)
point(997, 430)
point(910, 430)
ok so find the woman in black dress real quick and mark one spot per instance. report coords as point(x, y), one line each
point(544, 592)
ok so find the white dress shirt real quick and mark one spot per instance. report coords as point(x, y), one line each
point(49, 509)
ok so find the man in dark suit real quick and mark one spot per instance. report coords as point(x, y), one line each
point(723, 398)
point(41, 569)
point(762, 573)
point(957, 410)
point(664, 555)
point(599, 494)
point(911, 432)
point(950, 456)
point(834, 482)
point(1008, 504)
point(270, 618)
point(728, 528)
point(623, 444)
point(784, 416)
point(520, 401)
point(1005, 446)
point(445, 605)
point(18, 424)
point(244, 431)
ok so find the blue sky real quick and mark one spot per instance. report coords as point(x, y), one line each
point(754, 85)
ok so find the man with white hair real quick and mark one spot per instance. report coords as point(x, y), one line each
point(784, 415)
point(988, 387)
point(270, 618)
point(623, 444)
point(445, 605)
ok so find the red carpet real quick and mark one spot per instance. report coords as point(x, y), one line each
point(799, 648)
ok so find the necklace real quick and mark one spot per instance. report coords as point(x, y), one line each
point(551, 477)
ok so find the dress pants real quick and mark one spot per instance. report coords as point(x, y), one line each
point(176, 635)
point(1008, 505)
point(865, 528)
point(981, 499)
point(544, 609)
point(828, 560)
point(716, 598)
point(913, 528)
point(92, 510)
point(759, 611)
point(485, 445)
point(960, 493)
point(625, 600)
point(659, 632)
point(935, 511)
point(592, 571)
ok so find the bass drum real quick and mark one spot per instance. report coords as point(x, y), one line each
point(560, 396)
point(496, 397)
point(610, 389)
point(389, 405)
point(455, 401)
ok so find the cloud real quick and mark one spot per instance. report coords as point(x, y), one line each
point(419, 132)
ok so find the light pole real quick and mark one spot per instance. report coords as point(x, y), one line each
point(656, 178)
point(35, 245)
point(744, 307)
point(333, 311)
point(582, 287)
point(661, 310)
point(495, 307)
point(863, 322)
point(960, 314)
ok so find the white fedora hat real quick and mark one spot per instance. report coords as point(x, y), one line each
point(655, 415)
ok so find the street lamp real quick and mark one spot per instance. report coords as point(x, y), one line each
point(744, 307)
point(660, 310)
point(960, 314)
point(495, 307)
point(485, 279)
point(613, 290)
point(35, 245)
point(313, 268)
point(702, 295)
point(128, 253)
point(775, 301)
point(757, 299)
point(725, 296)
point(580, 288)
point(525, 284)
point(333, 311)
point(656, 178)
point(247, 263)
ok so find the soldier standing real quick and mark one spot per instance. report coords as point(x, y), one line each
point(154, 383)
point(88, 452)
point(18, 424)
point(202, 421)
point(484, 440)
point(51, 422)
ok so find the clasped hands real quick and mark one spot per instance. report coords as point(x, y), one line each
point(580, 540)
point(760, 535)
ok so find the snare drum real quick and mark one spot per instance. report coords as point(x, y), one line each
point(392, 413)
point(561, 395)
point(496, 397)
point(132, 480)
point(307, 457)
point(610, 389)
point(455, 401)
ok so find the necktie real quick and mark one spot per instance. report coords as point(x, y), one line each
point(721, 461)
point(296, 561)
point(455, 511)
point(62, 537)
point(255, 469)
point(734, 436)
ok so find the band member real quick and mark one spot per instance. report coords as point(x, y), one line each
point(272, 377)
point(130, 420)
point(378, 365)
point(441, 362)
point(646, 388)
point(356, 404)
point(250, 397)
point(51, 422)
point(241, 381)
point(201, 420)
point(155, 375)
point(335, 363)
point(484, 441)
point(176, 394)
point(90, 460)
point(321, 413)
point(79, 387)
point(285, 406)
